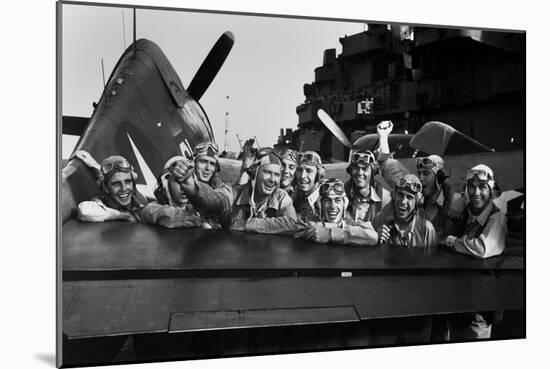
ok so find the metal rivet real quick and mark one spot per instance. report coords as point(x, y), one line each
point(113, 92)
point(159, 124)
point(119, 80)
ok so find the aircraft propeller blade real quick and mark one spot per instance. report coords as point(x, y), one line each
point(332, 127)
point(211, 65)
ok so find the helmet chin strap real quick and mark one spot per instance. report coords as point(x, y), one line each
point(365, 191)
point(408, 219)
point(110, 202)
point(477, 211)
point(434, 195)
point(412, 213)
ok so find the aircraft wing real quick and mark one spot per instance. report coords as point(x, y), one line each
point(441, 139)
point(206, 283)
point(507, 166)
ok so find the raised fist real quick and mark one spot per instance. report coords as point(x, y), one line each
point(248, 154)
point(384, 128)
point(183, 170)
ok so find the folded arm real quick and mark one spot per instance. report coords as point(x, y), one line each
point(279, 225)
point(169, 216)
point(97, 211)
point(355, 234)
point(491, 242)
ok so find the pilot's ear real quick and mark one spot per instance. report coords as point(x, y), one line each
point(375, 169)
point(419, 200)
point(321, 174)
point(496, 191)
point(441, 177)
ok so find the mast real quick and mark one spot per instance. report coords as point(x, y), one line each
point(103, 73)
point(123, 30)
point(135, 32)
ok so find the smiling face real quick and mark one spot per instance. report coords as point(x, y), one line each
point(205, 166)
point(121, 187)
point(267, 179)
point(479, 194)
point(360, 174)
point(332, 208)
point(404, 204)
point(427, 178)
point(305, 176)
point(176, 192)
point(288, 171)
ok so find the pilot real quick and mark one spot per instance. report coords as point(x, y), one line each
point(309, 174)
point(481, 229)
point(119, 198)
point(480, 232)
point(402, 222)
point(256, 206)
point(335, 225)
point(365, 193)
point(289, 163)
point(173, 209)
point(439, 206)
point(438, 196)
point(207, 165)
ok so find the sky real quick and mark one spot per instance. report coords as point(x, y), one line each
point(264, 74)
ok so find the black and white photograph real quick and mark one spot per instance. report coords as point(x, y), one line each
point(239, 184)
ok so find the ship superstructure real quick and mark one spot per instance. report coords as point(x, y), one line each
point(470, 79)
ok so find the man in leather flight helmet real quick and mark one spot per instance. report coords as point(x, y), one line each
point(119, 198)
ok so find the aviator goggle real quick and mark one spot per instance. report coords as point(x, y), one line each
point(310, 156)
point(332, 184)
point(482, 175)
point(288, 154)
point(204, 148)
point(411, 186)
point(366, 158)
point(425, 163)
point(119, 162)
